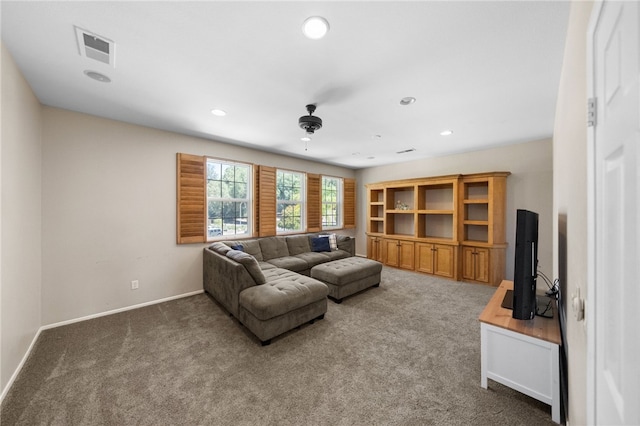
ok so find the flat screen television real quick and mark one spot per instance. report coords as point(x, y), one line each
point(526, 265)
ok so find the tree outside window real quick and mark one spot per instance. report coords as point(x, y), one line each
point(290, 192)
point(228, 198)
point(331, 202)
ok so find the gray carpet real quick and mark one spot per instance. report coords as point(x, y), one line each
point(406, 353)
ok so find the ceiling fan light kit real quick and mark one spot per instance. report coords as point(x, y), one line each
point(310, 123)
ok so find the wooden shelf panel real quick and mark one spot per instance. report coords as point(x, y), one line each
point(476, 222)
point(400, 236)
point(400, 211)
point(436, 240)
point(436, 212)
point(480, 244)
point(478, 201)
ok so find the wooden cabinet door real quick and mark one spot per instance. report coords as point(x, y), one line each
point(374, 249)
point(468, 263)
point(444, 260)
point(407, 255)
point(390, 252)
point(377, 250)
point(424, 257)
point(476, 263)
point(482, 265)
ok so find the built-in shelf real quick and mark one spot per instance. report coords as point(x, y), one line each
point(454, 225)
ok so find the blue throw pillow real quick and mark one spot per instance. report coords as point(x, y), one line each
point(320, 244)
point(239, 247)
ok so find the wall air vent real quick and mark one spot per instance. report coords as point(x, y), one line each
point(96, 47)
point(406, 150)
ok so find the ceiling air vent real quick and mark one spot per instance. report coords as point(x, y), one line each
point(96, 47)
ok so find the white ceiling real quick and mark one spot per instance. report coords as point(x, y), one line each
point(489, 71)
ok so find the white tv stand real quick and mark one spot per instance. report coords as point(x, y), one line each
point(521, 354)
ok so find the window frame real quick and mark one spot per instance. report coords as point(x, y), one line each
point(338, 203)
point(302, 202)
point(248, 199)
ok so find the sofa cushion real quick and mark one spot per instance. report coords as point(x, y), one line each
point(313, 258)
point(298, 244)
point(291, 263)
point(253, 248)
point(273, 247)
point(276, 273)
point(338, 254)
point(266, 265)
point(250, 263)
point(283, 296)
point(319, 244)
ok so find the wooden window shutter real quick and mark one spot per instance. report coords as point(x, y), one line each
point(266, 193)
point(349, 200)
point(191, 199)
point(314, 218)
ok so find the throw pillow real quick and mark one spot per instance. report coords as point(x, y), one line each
point(219, 247)
point(333, 241)
point(320, 244)
point(250, 263)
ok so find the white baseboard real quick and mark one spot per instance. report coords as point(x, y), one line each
point(20, 365)
point(115, 311)
point(88, 317)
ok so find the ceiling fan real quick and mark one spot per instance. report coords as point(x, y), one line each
point(310, 123)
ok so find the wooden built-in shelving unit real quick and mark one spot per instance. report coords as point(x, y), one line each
point(452, 226)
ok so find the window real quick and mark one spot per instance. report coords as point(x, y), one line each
point(290, 201)
point(331, 202)
point(228, 199)
point(219, 199)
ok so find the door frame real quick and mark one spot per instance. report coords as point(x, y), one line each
point(590, 313)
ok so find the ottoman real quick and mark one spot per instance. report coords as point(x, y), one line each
point(345, 277)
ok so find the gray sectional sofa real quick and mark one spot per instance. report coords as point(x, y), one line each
point(265, 282)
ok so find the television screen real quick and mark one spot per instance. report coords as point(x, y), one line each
point(526, 265)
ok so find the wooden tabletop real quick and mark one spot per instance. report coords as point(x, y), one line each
point(547, 329)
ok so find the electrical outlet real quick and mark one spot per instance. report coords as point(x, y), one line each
point(134, 285)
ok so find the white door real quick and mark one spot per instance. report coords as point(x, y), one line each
point(614, 291)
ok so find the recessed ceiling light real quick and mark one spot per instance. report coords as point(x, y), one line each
point(407, 101)
point(218, 112)
point(315, 27)
point(305, 139)
point(446, 132)
point(97, 76)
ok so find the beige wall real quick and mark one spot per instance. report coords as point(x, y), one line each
point(21, 218)
point(109, 213)
point(570, 198)
point(528, 187)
